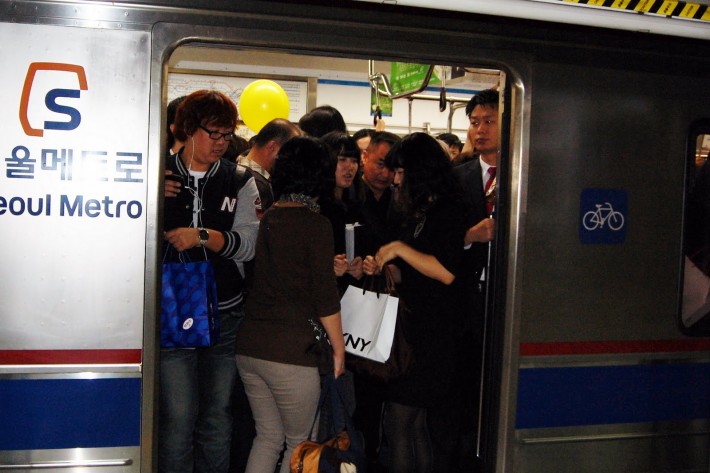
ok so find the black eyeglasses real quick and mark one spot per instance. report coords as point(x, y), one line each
point(216, 135)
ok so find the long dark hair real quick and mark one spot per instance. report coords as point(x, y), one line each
point(428, 174)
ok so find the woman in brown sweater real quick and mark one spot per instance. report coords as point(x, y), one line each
point(294, 285)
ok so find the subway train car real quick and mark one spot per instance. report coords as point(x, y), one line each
point(595, 358)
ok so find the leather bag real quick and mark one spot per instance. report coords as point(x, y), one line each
point(343, 452)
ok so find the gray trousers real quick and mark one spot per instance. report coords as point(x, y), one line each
point(284, 400)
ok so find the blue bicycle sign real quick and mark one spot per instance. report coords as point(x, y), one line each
point(603, 216)
point(604, 213)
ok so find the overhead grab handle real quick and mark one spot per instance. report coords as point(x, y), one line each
point(377, 111)
point(378, 79)
point(442, 93)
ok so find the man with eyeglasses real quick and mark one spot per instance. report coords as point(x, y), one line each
point(210, 213)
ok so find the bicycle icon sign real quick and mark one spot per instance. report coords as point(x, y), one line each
point(603, 216)
point(604, 213)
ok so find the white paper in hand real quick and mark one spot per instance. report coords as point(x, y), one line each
point(350, 240)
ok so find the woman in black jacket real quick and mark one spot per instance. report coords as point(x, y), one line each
point(424, 263)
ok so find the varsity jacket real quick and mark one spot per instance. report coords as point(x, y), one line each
point(227, 198)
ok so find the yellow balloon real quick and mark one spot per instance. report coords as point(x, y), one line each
point(262, 101)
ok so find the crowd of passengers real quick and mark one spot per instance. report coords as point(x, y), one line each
point(270, 214)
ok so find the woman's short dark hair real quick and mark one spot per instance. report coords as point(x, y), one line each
point(237, 146)
point(321, 120)
point(428, 173)
point(342, 144)
point(303, 166)
point(204, 107)
point(171, 112)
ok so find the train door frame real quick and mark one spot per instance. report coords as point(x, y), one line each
point(502, 352)
point(500, 373)
point(701, 326)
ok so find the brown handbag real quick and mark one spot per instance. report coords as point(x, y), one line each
point(307, 455)
point(340, 452)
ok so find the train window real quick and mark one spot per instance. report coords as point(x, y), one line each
point(432, 105)
point(695, 299)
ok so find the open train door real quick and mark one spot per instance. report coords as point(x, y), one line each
point(491, 424)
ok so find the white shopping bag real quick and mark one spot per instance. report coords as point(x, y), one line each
point(368, 319)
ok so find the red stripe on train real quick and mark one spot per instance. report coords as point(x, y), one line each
point(69, 357)
point(609, 347)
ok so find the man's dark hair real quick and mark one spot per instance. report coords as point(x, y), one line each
point(204, 108)
point(485, 98)
point(450, 139)
point(383, 137)
point(279, 130)
point(363, 132)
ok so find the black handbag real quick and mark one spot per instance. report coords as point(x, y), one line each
point(321, 348)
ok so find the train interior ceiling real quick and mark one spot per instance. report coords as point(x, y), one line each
point(344, 83)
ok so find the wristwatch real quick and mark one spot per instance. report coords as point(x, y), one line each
point(204, 235)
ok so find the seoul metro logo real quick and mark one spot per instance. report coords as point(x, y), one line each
point(50, 100)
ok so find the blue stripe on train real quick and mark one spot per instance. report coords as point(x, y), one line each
point(559, 397)
point(69, 413)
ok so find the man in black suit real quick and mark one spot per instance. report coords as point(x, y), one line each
point(478, 175)
point(454, 425)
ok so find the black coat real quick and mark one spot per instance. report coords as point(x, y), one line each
point(471, 179)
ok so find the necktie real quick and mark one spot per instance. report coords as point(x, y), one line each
point(489, 190)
